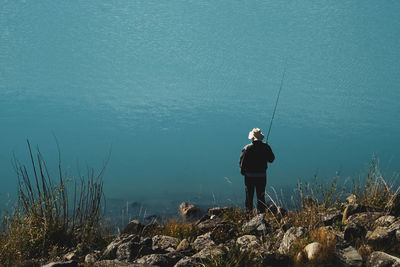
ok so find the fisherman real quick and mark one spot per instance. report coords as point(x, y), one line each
point(253, 166)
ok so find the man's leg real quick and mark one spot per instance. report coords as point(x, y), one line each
point(249, 193)
point(260, 190)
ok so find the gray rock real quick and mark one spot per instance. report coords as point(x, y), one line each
point(256, 224)
point(188, 262)
point(188, 210)
point(289, 237)
point(92, 257)
point(133, 227)
point(134, 248)
point(203, 241)
point(218, 211)
point(349, 256)
point(114, 263)
point(248, 242)
point(166, 243)
point(380, 235)
point(153, 260)
point(62, 264)
point(209, 224)
point(209, 252)
point(381, 259)
point(331, 217)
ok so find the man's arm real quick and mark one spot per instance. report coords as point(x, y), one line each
point(241, 161)
point(270, 154)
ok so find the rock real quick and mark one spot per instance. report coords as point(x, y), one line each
point(354, 231)
point(248, 242)
point(393, 205)
point(209, 252)
point(92, 257)
point(203, 241)
point(183, 245)
point(385, 220)
point(349, 256)
point(365, 219)
point(352, 199)
point(218, 211)
point(331, 217)
point(352, 209)
point(166, 243)
point(153, 260)
point(188, 262)
point(114, 263)
point(62, 264)
point(209, 224)
point(134, 248)
point(256, 224)
point(288, 239)
point(381, 259)
point(381, 235)
point(133, 227)
point(188, 210)
point(70, 256)
point(313, 250)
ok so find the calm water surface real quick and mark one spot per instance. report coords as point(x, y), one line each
point(173, 88)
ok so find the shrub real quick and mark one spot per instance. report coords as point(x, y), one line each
point(45, 218)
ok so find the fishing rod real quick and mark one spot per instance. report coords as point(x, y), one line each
point(276, 103)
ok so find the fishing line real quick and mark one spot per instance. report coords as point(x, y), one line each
point(277, 100)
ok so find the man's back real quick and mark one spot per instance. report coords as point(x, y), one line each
point(255, 156)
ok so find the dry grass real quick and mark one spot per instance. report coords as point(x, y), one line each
point(179, 229)
point(45, 220)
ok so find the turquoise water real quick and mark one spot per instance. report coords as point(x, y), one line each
point(174, 87)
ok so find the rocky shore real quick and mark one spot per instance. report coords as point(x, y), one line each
point(347, 234)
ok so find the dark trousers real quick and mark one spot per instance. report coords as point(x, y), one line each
point(259, 184)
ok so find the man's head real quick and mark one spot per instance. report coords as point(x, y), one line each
point(256, 135)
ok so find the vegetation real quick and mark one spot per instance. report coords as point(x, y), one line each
point(47, 220)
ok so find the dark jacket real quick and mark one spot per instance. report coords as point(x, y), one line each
point(254, 158)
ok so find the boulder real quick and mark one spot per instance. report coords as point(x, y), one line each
point(164, 243)
point(209, 252)
point(203, 241)
point(188, 262)
point(134, 248)
point(313, 250)
point(153, 260)
point(92, 257)
point(331, 217)
point(380, 236)
point(291, 235)
point(62, 264)
point(209, 224)
point(365, 219)
point(382, 259)
point(188, 210)
point(218, 211)
point(349, 256)
point(113, 263)
point(256, 225)
point(248, 242)
point(385, 220)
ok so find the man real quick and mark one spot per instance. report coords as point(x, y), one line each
point(253, 165)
